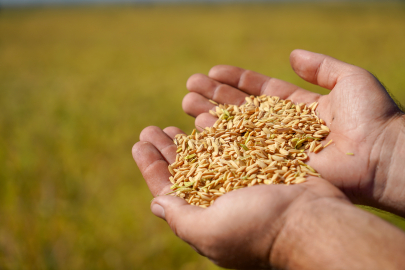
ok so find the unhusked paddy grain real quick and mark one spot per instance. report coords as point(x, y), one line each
point(262, 142)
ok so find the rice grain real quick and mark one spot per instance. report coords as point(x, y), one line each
point(262, 142)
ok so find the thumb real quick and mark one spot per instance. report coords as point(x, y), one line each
point(180, 216)
point(322, 70)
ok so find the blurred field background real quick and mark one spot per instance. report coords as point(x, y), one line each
point(79, 83)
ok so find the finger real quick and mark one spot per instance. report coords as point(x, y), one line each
point(153, 167)
point(161, 141)
point(257, 84)
point(185, 220)
point(195, 104)
point(212, 89)
point(173, 131)
point(204, 120)
point(320, 69)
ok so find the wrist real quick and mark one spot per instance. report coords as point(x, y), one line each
point(331, 233)
point(389, 176)
point(290, 242)
point(290, 250)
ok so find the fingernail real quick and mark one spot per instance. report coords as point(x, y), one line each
point(158, 210)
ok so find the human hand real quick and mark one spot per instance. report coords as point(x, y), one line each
point(362, 117)
point(241, 228)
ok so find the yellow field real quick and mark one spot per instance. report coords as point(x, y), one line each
point(78, 84)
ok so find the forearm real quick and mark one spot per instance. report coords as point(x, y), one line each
point(333, 234)
point(389, 189)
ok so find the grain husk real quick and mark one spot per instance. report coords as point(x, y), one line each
point(262, 142)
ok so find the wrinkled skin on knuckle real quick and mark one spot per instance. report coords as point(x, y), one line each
point(194, 80)
point(351, 69)
point(145, 133)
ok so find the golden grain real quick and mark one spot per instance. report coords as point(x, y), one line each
point(261, 142)
point(328, 143)
point(213, 102)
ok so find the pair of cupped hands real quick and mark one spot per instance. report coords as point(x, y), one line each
point(242, 228)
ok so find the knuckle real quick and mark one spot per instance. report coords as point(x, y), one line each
point(213, 70)
point(145, 133)
point(351, 69)
point(169, 129)
point(137, 147)
point(193, 79)
point(169, 150)
point(246, 78)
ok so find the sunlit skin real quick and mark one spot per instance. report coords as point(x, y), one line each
point(307, 226)
point(362, 117)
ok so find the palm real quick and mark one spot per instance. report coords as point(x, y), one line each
point(220, 231)
point(267, 207)
point(357, 110)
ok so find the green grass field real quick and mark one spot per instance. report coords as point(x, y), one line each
point(78, 84)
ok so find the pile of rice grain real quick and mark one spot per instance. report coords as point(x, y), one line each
point(262, 142)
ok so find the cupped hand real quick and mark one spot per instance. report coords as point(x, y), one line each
point(362, 117)
point(240, 229)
